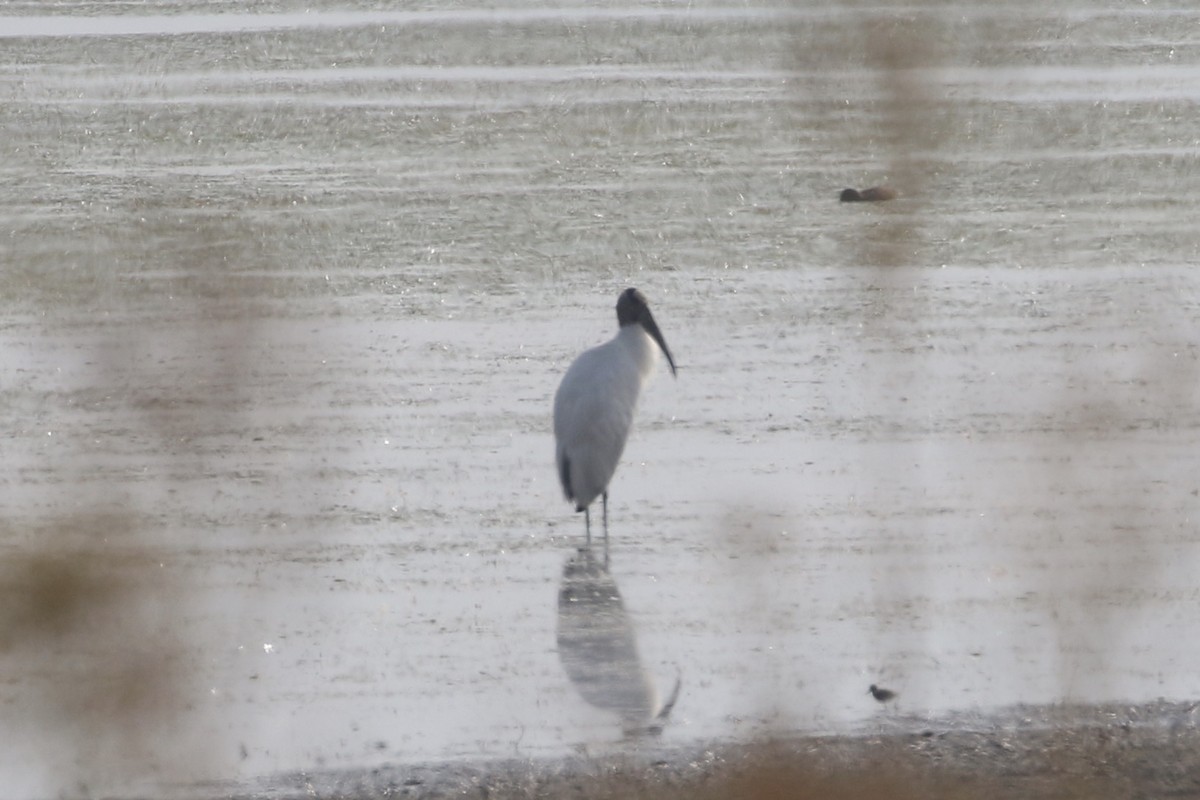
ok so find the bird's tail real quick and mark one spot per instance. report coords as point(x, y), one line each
point(564, 475)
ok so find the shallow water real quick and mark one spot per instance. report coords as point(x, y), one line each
point(287, 296)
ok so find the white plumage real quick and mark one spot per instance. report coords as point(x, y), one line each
point(594, 405)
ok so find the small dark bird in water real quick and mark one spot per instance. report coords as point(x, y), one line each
point(873, 195)
point(882, 695)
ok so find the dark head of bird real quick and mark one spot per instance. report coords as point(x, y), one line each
point(873, 195)
point(632, 309)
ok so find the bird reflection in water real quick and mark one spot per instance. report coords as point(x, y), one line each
point(598, 648)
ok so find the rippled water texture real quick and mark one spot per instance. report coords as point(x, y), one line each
point(287, 293)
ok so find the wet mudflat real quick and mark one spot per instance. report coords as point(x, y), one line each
point(1064, 752)
point(286, 297)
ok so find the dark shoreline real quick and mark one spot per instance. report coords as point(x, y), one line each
point(1061, 751)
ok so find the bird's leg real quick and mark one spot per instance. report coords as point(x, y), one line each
point(606, 530)
point(587, 521)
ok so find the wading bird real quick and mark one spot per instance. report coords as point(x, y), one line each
point(882, 695)
point(594, 405)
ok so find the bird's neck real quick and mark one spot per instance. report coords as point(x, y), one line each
point(634, 340)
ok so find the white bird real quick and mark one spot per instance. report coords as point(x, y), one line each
point(593, 408)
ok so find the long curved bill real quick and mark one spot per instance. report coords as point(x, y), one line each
point(646, 320)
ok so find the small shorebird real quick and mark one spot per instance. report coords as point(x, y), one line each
point(593, 408)
point(882, 695)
